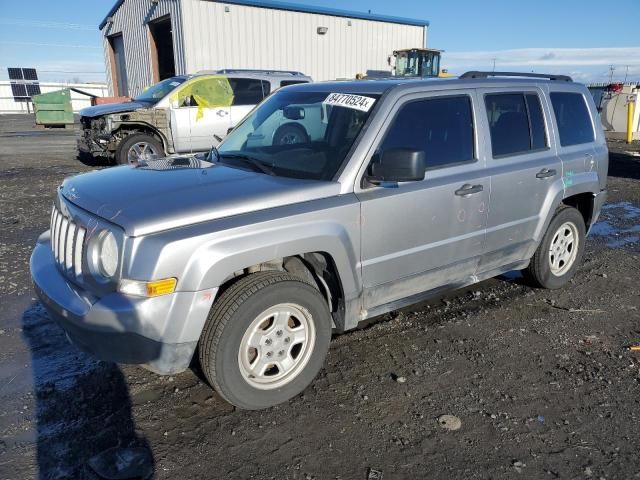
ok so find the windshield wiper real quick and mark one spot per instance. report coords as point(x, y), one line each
point(254, 162)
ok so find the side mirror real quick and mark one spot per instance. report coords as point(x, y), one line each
point(399, 165)
point(294, 113)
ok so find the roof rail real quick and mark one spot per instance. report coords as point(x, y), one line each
point(267, 72)
point(475, 74)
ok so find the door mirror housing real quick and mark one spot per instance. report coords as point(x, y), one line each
point(399, 165)
point(294, 113)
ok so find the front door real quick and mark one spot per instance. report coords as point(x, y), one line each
point(418, 236)
point(201, 113)
point(526, 174)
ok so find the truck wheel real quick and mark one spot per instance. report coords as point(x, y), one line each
point(265, 339)
point(559, 254)
point(290, 134)
point(138, 147)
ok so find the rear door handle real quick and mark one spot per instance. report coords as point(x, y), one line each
point(468, 189)
point(546, 173)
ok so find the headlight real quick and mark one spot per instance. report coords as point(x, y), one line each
point(107, 255)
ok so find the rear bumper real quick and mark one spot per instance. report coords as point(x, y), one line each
point(598, 201)
point(160, 333)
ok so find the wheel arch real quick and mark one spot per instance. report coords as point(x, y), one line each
point(131, 128)
point(327, 259)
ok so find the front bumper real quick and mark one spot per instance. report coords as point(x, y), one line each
point(160, 333)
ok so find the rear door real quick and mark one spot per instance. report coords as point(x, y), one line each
point(417, 236)
point(525, 171)
point(247, 93)
point(576, 135)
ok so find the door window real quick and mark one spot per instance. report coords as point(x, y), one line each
point(208, 92)
point(572, 117)
point(516, 123)
point(442, 127)
point(248, 91)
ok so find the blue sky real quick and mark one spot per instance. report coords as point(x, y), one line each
point(61, 38)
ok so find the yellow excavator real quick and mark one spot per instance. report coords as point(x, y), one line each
point(417, 62)
point(411, 63)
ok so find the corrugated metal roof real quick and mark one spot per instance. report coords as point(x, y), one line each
point(296, 7)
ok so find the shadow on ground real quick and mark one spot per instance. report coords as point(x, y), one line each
point(83, 405)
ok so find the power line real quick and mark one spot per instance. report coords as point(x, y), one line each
point(40, 24)
point(57, 45)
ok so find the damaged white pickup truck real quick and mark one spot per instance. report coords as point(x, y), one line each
point(182, 114)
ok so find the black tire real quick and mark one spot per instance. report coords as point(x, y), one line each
point(122, 152)
point(539, 272)
point(290, 134)
point(231, 316)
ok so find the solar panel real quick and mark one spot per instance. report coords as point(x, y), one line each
point(33, 89)
point(29, 74)
point(24, 83)
point(19, 90)
point(15, 73)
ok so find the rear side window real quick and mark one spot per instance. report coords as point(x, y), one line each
point(248, 91)
point(516, 123)
point(572, 116)
point(441, 127)
point(286, 83)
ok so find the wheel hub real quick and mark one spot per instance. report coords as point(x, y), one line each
point(563, 249)
point(277, 346)
point(141, 152)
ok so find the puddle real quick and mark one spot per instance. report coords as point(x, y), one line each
point(619, 225)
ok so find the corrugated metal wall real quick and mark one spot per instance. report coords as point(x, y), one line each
point(131, 20)
point(253, 37)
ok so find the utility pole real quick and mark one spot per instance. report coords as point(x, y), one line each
point(494, 64)
point(611, 70)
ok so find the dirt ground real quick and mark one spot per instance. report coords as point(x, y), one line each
point(540, 380)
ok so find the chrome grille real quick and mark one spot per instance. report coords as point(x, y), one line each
point(67, 242)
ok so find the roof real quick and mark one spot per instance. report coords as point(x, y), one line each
point(380, 86)
point(296, 7)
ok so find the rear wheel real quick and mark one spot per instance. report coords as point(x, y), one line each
point(559, 254)
point(265, 339)
point(138, 147)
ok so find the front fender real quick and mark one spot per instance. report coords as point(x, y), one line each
point(215, 262)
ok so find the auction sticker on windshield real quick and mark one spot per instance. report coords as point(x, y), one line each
point(357, 102)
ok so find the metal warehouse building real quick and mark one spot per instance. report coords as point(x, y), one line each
point(148, 40)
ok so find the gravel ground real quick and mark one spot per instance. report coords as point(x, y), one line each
point(540, 381)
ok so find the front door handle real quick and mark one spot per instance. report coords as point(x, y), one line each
point(468, 189)
point(546, 173)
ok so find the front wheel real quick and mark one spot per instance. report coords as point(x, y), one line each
point(265, 340)
point(559, 254)
point(138, 147)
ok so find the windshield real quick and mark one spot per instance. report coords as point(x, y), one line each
point(417, 64)
point(302, 134)
point(157, 92)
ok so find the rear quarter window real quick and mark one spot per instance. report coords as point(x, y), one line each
point(573, 118)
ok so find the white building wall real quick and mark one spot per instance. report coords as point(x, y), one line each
point(254, 37)
point(131, 20)
point(78, 101)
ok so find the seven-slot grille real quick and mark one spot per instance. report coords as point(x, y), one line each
point(67, 242)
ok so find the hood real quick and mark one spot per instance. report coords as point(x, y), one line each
point(180, 191)
point(109, 108)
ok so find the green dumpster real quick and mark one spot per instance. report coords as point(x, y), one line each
point(53, 108)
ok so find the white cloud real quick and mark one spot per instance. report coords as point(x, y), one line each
point(584, 64)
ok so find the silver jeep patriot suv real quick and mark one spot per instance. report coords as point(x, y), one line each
point(389, 192)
